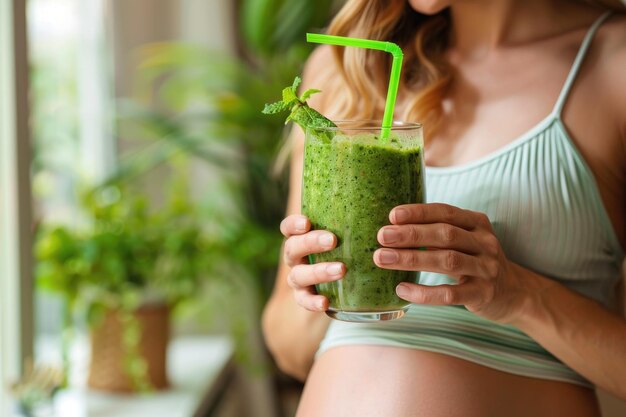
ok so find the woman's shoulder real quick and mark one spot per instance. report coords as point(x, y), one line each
point(612, 45)
point(611, 62)
point(603, 82)
point(613, 31)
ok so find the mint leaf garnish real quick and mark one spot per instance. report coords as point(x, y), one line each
point(278, 107)
point(300, 112)
point(308, 93)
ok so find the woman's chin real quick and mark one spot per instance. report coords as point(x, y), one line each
point(429, 7)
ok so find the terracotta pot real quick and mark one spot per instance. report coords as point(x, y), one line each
point(106, 370)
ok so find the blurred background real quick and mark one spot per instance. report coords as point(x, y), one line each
point(150, 198)
point(141, 191)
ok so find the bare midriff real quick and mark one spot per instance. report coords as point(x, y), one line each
point(374, 381)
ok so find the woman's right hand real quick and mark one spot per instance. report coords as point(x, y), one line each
point(302, 278)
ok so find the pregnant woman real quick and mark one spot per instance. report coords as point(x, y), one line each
point(517, 310)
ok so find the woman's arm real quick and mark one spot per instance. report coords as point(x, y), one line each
point(577, 330)
point(580, 332)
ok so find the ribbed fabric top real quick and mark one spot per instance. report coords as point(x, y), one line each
point(547, 212)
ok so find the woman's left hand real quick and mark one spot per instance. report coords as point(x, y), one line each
point(461, 244)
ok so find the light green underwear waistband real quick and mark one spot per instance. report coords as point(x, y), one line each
point(457, 332)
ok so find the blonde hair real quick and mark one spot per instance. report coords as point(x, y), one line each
point(361, 90)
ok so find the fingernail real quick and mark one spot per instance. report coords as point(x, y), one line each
point(390, 235)
point(334, 269)
point(402, 291)
point(326, 240)
point(400, 215)
point(387, 256)
point(320, 304)
point(300, 224)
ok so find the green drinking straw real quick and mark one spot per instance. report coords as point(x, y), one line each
point(396, 66)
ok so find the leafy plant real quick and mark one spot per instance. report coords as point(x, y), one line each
point(128, 253)
point(131, 251)
point(270, 27)
point(300, 112)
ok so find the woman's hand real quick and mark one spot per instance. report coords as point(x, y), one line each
point(461, 244)
point(302, 278)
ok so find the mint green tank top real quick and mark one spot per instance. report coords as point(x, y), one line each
point(546, 210)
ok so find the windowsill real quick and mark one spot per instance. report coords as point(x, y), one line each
point(196, 367)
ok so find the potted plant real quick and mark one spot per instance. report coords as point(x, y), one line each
point(127, 268)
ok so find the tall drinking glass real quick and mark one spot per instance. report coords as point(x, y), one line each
point(352, 178)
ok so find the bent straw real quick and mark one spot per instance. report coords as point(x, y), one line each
point(396, 66)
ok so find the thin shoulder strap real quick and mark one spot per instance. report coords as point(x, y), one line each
point(580, 57)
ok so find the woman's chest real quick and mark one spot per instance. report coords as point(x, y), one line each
point(485, 114)
point(542, 200)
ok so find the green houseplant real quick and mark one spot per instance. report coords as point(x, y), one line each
point(133, 254)
point(128, 255)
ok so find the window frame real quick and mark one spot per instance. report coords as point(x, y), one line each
point(16, 281)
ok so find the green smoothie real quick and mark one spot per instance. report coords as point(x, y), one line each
point(351, 181)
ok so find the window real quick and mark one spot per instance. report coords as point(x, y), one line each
point(15, 251)
point(71, 101)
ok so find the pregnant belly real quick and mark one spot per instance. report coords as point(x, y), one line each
point(382, 381)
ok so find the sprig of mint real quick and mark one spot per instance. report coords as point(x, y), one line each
point(301, 113)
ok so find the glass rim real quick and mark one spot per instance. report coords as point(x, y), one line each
point(370, 125)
